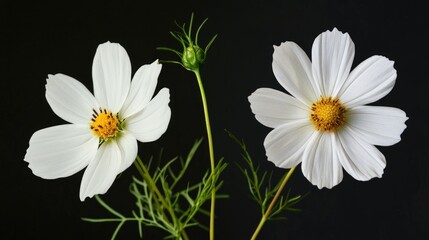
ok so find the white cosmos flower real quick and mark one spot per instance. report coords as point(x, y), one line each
point(325, 124)
point(105, 127)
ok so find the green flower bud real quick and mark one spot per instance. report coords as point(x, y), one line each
point(193, 56)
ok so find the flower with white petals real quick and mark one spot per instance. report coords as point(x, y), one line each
point(326, 124)
point(104, 127)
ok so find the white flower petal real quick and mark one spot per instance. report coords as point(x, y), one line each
point(381, 126)
point(360, 159)
point(111, 73)
point(320, 164)
point(332, 57)
point(69, 99)
point(101, 171)
point(273, 108)
point(61, 151)
point(285, 145)
point(128, 146)
point(371, 80)
point(150, 123)
point(292, 69)
point(142, 88)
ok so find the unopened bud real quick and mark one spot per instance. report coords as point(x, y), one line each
point(193, 57)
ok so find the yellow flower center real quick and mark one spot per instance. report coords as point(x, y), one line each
point(105, 124)
point(328, 114)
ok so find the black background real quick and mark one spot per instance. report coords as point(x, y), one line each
point(38, 38)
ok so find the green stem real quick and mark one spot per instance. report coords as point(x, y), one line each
point(152, 186)
point(272, 204)
point(109, 220)
point(211, 151)
point(111, 210)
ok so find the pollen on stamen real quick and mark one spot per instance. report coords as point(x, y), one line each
point(104, 124)
point(328, 114)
